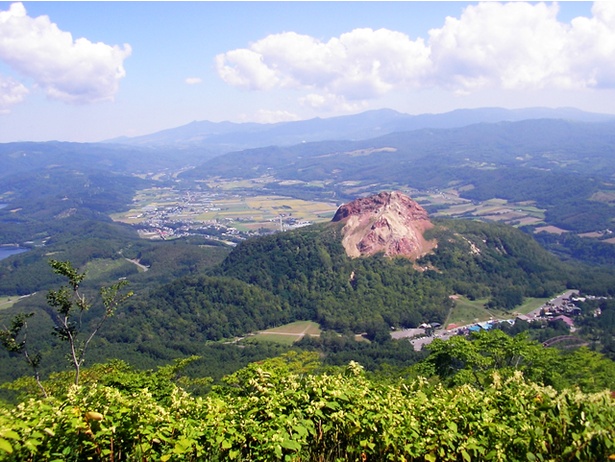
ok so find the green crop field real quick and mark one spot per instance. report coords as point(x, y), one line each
point(297, 328)
point(273, 338)
point(530, 304)
point(468, 311)
point(228, 205)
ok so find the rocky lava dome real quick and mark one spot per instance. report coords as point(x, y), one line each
point(389, 223)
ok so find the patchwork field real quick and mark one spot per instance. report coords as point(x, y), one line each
point(452, 206)
point(244, 212)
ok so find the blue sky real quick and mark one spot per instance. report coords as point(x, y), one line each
point(89, 71)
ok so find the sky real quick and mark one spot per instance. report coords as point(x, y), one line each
point(92, 71)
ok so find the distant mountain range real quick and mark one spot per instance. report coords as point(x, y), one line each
point(416, 155)
point(196, 143)
point(228, 136)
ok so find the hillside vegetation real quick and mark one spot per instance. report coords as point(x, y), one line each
point(289, 408)
point(192, 296)
point(306, 275)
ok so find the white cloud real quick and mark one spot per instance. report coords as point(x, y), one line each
point(592, 44)
point(193, 80)
point(75, 71)
point(492, 45)
point(11, 93)
point(519, 46)
point(359, 64)
point(245, 69)
point(266, 116)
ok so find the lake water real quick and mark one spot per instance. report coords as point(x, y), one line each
point(8, 251)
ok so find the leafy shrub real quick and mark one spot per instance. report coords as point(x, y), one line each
point(281, 409)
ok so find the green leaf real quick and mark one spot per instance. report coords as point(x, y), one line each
point(10, 434)
point(226, 444)
point(290, 444)
point(300, 430)
point(5, 446)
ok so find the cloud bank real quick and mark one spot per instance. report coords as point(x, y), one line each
point(66, 69)
point(515, 46)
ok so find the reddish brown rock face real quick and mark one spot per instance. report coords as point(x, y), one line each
point(390, 223)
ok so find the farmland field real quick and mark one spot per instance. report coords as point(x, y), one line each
point(243, 212)
point(289, 333)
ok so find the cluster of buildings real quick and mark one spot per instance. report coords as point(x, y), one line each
point(178, 213)
point(286, 221)
point(562, 308)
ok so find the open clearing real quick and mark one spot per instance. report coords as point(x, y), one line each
point(512, 213)
point(289, 333)
point(470, 311)
point(7, 302)
point(102, 267)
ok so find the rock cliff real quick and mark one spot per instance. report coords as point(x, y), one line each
point(390, 223)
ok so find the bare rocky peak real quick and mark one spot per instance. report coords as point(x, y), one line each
point(390, 223)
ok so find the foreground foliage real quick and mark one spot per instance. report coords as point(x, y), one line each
point(287, 408)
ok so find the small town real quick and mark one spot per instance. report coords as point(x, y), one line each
point(167, 213)
point(561, 308)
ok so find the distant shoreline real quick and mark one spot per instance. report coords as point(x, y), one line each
point(7, 250)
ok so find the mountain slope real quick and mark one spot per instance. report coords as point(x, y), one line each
point(361, 126)
point(389, 223)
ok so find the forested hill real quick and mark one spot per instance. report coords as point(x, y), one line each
point(472, 258)
point(305, 274)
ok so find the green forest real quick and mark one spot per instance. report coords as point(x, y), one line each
point(196, 298)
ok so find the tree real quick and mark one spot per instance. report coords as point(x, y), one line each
point(70, 304)
point(14, 340)
point(460, 360)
